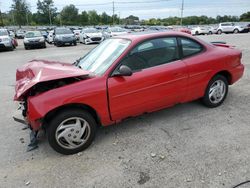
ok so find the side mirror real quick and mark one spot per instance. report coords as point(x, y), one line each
point(124, 71)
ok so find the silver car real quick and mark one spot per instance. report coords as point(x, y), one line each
point(5, 40)
point(91, 35)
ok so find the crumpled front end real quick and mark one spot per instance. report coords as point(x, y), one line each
point(37, 77)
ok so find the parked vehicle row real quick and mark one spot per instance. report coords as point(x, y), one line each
point(226, 27)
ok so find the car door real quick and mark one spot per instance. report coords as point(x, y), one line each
point(198, 67)
point(159, 79)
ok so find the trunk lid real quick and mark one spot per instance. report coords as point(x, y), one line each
point(37, 71)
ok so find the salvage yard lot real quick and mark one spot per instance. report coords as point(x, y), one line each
point(188, 145)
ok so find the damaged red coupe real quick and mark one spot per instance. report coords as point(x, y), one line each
point(122, 77)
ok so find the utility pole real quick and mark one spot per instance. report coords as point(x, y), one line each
point(182, 8)
point(49, 16)
point(113, 12)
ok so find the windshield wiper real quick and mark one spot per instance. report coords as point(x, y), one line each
point(77, 62)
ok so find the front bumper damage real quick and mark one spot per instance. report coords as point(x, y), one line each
point(33, 134)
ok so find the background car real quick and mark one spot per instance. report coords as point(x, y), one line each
point(64, 36)
point(229, 27)
point(77, 33)
point(114, 31)
point(6, 42)
point(20, 34)
point(44, 34)
point(90, 35)
point(50, 37)
point(183, 29)
point(34, 39)
point(199, 30)
point(212, 30)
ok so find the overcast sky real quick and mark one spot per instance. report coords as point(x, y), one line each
point(151, 8)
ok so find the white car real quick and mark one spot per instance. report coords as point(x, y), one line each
point(77, 33)
point(6, 40)
point(114, 31)
point(229, 27)
point(90, 35)
point(50, 37)
point(199, 30)
point(212, 30)
point(20, 34)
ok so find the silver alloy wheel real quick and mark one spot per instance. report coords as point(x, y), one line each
point(217, 91)
point(72, 133)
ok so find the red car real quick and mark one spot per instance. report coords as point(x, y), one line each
point(185, 30)
point(122, 77)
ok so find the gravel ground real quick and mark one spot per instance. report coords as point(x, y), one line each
point(184, 146)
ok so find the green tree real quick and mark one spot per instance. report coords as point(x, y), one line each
point(105, 18)
point(69, 15)
point(94, 18)
point(21, 11)
point(84, 18)
point(245, 17)
point(46, 12)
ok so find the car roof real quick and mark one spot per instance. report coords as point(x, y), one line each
point(152, 34)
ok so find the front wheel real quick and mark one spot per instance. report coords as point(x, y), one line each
point(71, 131)
point(219, 32)
point(216, 91)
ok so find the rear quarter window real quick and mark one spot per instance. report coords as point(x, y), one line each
point(190, 47)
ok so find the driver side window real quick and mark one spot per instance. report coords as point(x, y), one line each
point(152, 53)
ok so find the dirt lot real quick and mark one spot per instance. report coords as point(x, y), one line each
point(184, 146)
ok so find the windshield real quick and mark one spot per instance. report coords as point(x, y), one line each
point(33, 34)
point(92, 30)
point(102, 57)
point(3, 33)
point(63, 31)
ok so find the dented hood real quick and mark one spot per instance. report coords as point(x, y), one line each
point(41, 71)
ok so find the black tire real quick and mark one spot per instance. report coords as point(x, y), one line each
point(26, 47)
point(12, 48)
point(210, 32)
point(44, 45)
point(206, 100)
point(196, 33)
point(236, 31)
point(64, 115)
point(219, 32)
point(75, 43)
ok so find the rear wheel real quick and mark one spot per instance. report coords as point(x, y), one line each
point(236, 31)
point(216, 91)
point(71, 131)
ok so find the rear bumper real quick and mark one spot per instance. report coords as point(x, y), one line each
point(237, 73)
